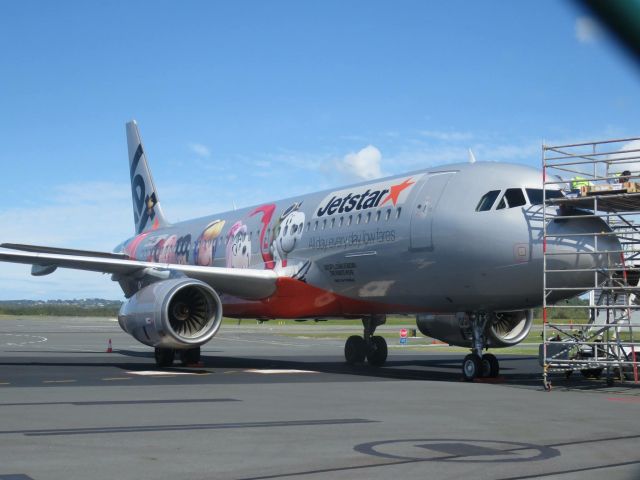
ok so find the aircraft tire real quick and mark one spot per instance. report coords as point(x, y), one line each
point(164, 356)
point(490, 366)
point(355, 349)
point(471, 367)
point(628, 370)
point(377, 354)
point(190, 356)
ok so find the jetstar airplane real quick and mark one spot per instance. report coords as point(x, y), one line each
point(458, 246)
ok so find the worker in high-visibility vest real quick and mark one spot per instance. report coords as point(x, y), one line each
point(578, 182)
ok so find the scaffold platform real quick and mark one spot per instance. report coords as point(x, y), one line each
point(599, 180)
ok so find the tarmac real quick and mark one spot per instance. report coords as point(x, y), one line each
point(266, 405)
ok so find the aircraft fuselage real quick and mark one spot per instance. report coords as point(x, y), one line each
point(404, 244)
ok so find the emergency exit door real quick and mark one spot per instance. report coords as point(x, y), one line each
point(424, 209)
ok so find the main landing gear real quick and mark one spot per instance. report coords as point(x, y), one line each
point(165, 356)
point(373, 348)
point(476, 364)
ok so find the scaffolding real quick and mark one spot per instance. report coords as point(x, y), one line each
point(600, 180)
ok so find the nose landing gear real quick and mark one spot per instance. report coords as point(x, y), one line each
point(373, 348)
point(476, 365)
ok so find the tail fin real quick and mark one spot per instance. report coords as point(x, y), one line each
point(147, 213)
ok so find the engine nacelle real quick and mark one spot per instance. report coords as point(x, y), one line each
point(175, 313)
point(503, 329)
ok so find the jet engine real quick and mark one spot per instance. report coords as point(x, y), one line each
point(503, 329)
point(174, 313)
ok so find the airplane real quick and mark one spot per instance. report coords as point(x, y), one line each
point(460, 247)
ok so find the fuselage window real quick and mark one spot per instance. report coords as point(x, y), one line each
point(349, 220)
point(398, 212)
point(358, 218)
point(308, 226)
point(367, 219)
point(333, 222)
point(340, 222)
point(388, 214)
point(324, 224)
point(486, 202)
point(378, 213)
point(315, 226)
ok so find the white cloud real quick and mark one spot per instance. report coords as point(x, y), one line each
point(587, 30)
point(200, 150)
point(364, 164)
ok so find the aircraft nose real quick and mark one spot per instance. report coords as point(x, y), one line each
point(579, 252)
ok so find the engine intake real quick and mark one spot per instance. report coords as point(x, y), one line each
point(503, 329)
point(175, 313)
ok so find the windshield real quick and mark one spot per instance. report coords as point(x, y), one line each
point(535, 195)
point(486, 202)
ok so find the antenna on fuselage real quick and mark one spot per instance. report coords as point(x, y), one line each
point(472, 157)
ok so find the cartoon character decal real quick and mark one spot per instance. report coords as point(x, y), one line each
point(238, 254)
point(265, 219)
point(155, 249)
point(287, 234)
point(168, 251)
point(183, 244)
point(204, 249)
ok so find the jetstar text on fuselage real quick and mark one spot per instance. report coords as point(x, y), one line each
point(366, 197)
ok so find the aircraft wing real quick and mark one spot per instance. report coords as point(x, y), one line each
point(247, 283)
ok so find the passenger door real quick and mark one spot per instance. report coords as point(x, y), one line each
point(424, 208)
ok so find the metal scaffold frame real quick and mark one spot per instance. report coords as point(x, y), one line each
point(600, 180)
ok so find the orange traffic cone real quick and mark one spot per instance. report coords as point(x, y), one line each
point(109, 349)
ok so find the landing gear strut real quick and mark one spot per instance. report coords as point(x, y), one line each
point(164, 356)
point(190, 356)
point(373, 348)
point(476, 364)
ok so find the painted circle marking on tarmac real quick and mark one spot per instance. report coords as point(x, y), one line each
point(21, 339)
point(457, 450)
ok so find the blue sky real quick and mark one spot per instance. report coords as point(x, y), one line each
point(249, 101)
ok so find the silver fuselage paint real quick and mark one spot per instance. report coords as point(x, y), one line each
point(413, 240)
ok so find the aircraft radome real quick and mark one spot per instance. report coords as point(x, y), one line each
point(458, 246)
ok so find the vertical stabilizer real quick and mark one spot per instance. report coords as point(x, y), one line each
point(147, 212)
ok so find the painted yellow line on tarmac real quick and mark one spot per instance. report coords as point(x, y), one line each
point(113, 379)
point(58, 381)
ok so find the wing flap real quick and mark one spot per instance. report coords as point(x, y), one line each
point(247, 283)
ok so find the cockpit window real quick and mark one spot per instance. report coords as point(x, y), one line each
point(535, 195)
point(486, 202)
point(515, 197)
